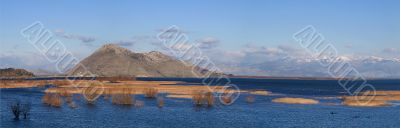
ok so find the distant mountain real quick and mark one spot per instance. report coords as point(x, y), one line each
point(113, 60)
point(368, 67)
point(11, 72)
point(45, 72)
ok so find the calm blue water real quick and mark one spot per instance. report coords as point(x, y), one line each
point(181, 113)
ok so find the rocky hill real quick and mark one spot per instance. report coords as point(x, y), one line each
point(112, 60)
point(11, 72)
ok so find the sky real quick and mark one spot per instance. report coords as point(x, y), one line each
point(355, 27)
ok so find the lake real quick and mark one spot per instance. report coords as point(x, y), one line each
point(182, 113)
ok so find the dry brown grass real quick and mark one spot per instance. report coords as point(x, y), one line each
point(149, 89)
point(123, 99)
point(69, 99)
point(185, 96)
point(381, 97)
point(20, 83)
point(360, 103)
point(288, 100)
point(197, 98)
point(65, 93)
point(141, 87)
point(371, 99)
point(54, 100)
point(46, 98)
point(367, 99)
point(382, 93)
point(61, 82)
point(150, 92)
point(203, 98)
point(260, 92)
point(209, 97)
point(226, 99)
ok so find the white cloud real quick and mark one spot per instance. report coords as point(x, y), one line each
point(208, 42)
point(125, 43)
point(82, 38)
point(22, 60)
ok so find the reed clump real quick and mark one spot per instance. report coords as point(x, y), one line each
point(68, 97)
point(226, 99)
point(92, 92)
point(209, 98)
point(18, 108)
point(203, 98)
point(124, 98)
point(197, 98)
point(52, 99)
point(65, 93)
point(61, 82)
point(106, 94)
point(150, 92)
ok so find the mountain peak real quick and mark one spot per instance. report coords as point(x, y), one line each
point(157, 56)
point(114, 48)
point(113, 60)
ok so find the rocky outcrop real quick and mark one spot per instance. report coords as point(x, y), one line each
point(11, 72)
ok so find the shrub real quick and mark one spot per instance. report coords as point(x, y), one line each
point(16, 109)
point(65, 93)
point(150, 92)
point(197, 98)
point(46, 98)
point(209, 97)
point(123, 99)
point(226, 99)
point(69, 99)
point(52, 99)
point(56, 100)
point(201, 98)
point(26, 108)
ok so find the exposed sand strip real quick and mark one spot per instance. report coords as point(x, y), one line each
point(288, 100)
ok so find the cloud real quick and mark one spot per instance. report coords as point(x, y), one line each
point(28, 60)
point(287, 60)
point(31, 61)
point(208, 42)
point(82, 38)
point(172, 29)
point(125, 43)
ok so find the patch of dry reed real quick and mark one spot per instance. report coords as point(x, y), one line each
point(150, 92)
